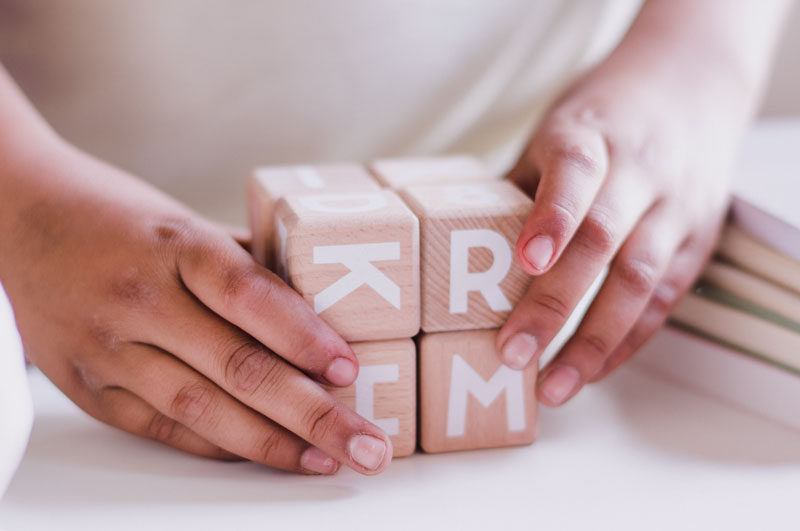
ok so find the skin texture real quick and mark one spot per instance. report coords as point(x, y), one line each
point(629, 169)
point(158, 322)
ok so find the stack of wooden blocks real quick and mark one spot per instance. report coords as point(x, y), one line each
point(381, 252)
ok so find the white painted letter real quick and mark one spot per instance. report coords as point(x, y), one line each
point(368, 376)
point(469, 195)
point(465, 380)
point(344, 203)
point(357, 258)
point(309, 177)
point(487, 282)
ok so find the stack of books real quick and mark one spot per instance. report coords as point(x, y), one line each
point(736, 335)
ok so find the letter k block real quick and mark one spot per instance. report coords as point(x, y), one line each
point(355, 258)
point(470, 279)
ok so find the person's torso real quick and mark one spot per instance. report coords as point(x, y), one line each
point(191, 95)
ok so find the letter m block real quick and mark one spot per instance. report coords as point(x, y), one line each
point(355, 258)
point(468, 233)
point(468, 398)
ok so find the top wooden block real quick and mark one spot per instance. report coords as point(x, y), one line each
point(454, 169)
point(355, 258)
point(270, 183)
point(468, 233)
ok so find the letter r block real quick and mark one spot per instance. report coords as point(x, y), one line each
point(468, 232)
point(355, 258)
point(468, 398)
point(385, 392)
point(269, 183)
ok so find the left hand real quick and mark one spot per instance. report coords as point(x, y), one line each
point(628, 172)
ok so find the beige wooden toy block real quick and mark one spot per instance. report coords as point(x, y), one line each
point(468, 398)
point(355, 259)
point(470, 278)
point(454, 169)
point(269, 183)
point(385, 391)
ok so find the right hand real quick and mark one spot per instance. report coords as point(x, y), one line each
point(157, 322)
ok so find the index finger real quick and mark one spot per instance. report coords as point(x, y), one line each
point(228, 281)
point(572, 162)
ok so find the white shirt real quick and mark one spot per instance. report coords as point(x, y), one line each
point(191, 95)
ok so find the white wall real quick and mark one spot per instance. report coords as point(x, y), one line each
point(783, 94)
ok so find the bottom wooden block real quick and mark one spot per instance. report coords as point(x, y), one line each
point(468, 398)
point(385, 391)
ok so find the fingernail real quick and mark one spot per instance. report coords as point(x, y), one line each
point(341, 371)
point(519, 350)
point(316, 461)
point(539, 251)
point(367, 451)
point(560, 383)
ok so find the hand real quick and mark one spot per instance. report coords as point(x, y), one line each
point(157, 322)
point(627, 172)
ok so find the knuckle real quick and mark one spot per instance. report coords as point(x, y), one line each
point(586, 158)
point(320, 420)
point(171, 234)
point(105, 335)
point(134, 286)
point(563, 218)
point(638, 277)
point(192, 403)
point(271, 447)
point(250, 367)
point(237, 283)
point(594, 344)
point(244, 287)
point(597, 234)
point(161, 428)
point(664, 298)
point(172, 230)
point(552, 304)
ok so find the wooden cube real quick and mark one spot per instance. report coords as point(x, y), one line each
point(453, 169)
point(468, 398)
point(269, 183)
point(385, 391)
point(470, 278)
point(355, 259)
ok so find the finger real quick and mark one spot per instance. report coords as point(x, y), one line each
point(551, 298)
point(228, 281)
point(255, 376)
point(572, 160)
point(122, 409)
point(182, 396)
point(685, 267)
point(126, 411)
point(632, 278)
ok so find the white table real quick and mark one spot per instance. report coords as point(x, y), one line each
point(633, 453)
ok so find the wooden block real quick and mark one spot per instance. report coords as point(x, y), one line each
point(269, 183)
point(470, 278)
point(468, 398)
point(451, 169)
point(355, 259)
point(385, 391)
